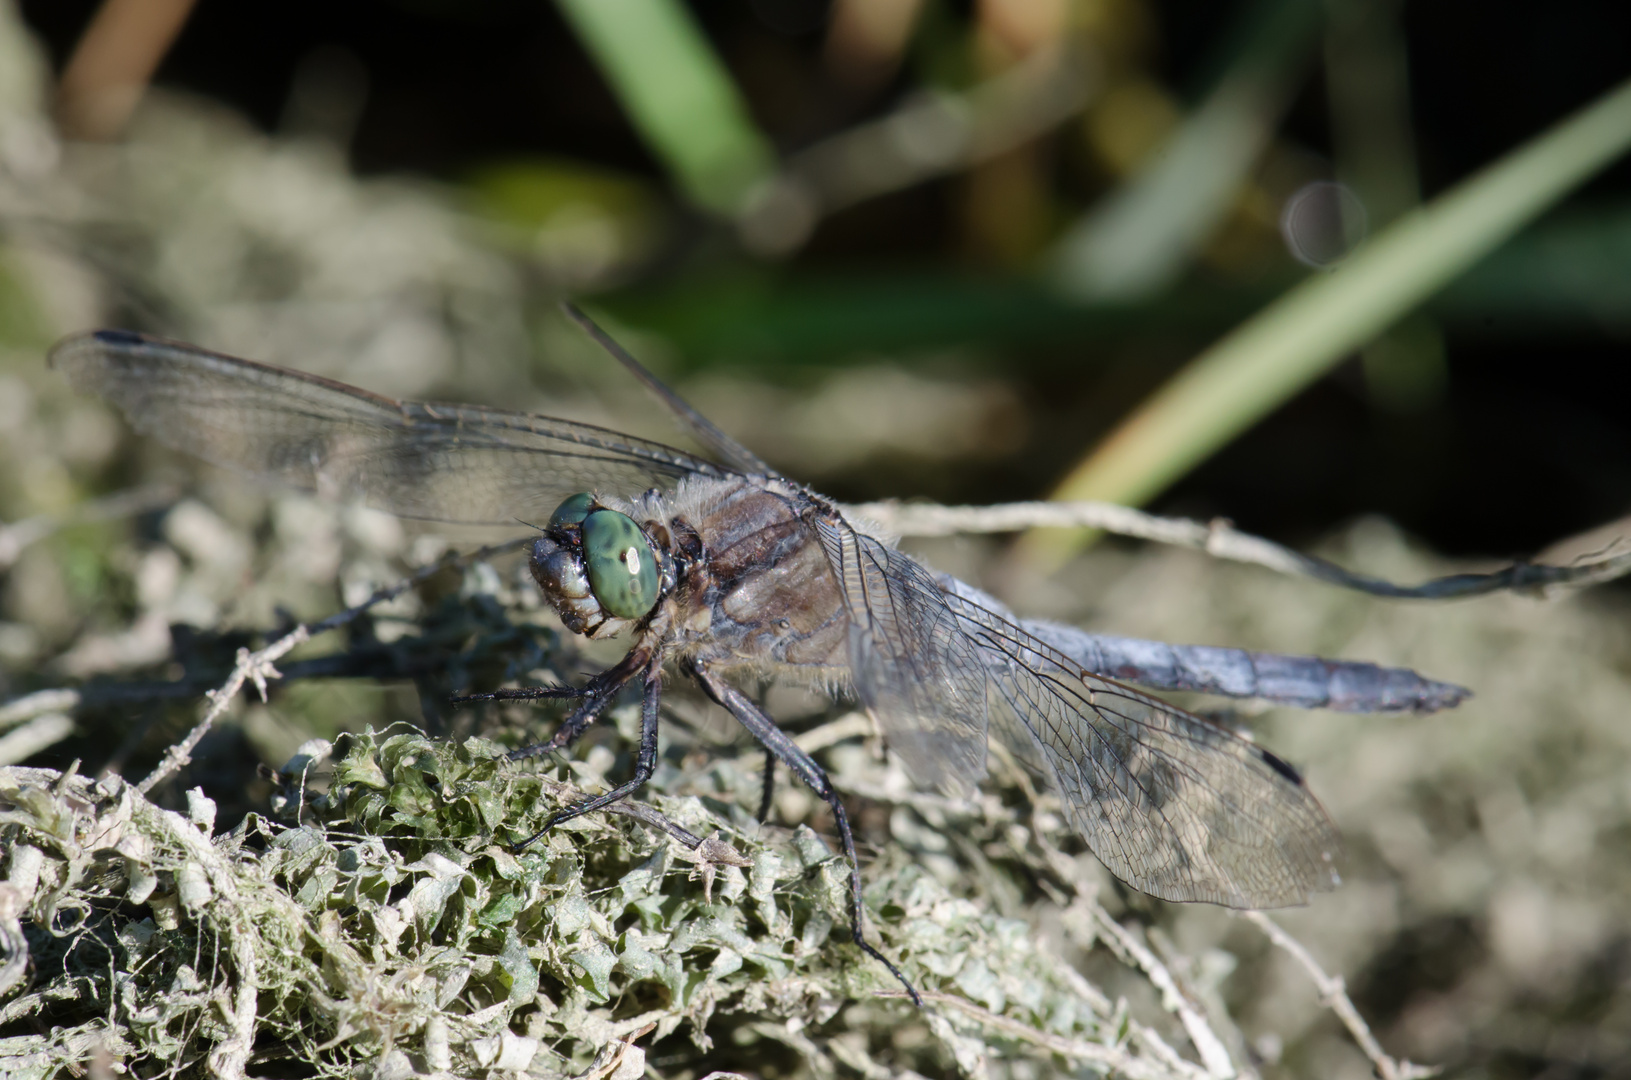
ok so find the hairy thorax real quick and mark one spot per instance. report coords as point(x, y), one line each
point(756, 590)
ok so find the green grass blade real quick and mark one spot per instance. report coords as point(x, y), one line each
point(677, 93)
point(1303, 334)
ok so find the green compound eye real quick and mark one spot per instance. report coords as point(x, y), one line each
point(573, 510)
point(622, 567)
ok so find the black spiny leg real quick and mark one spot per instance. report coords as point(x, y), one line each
point(521, 693)
point(768, 796)
point(782, 746)
point(597, 694)
point(595, 700)
point(644, 766)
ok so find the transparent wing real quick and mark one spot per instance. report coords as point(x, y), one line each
point(454, 463)
point(912, 666)
point(1172, 804)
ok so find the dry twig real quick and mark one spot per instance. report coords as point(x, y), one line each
point(1334, 995)
point(1214, 1055)
point(1095, 1053)
point(257, 666)
point(1222, 540)
point(928, 136)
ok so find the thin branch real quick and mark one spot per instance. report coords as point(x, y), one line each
point(1334, 995)
point(257, 667)
point(1096, 1053)
point(1096, 923)
point(928, 136)
point(1137, 1032)
point(251, 666)
point(1214, 1055)
point(1222, 540)
point(27, 707)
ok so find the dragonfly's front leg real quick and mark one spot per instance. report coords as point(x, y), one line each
point(781, 745)
point(598, 693)
point(645, 764)
point(521, 693)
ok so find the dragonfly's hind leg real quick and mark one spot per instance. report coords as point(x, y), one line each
point(768, 795)
point(781, 746)
point(645, 763)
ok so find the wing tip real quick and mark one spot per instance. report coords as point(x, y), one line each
point(117, 337)
point(1279, 765)
point(68, 352)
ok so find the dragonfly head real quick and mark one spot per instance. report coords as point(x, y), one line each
point(597, 568)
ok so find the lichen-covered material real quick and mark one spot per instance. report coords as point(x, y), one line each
point(396, 932)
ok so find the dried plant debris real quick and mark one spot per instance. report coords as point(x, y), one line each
point(396, 933)
point(382, 925)
point(385, 928)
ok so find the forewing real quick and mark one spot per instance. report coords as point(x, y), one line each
point(912, 666)
point(452, 463)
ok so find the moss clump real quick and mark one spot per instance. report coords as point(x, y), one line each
point(394, 931)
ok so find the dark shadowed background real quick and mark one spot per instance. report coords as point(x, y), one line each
point(1507, 442)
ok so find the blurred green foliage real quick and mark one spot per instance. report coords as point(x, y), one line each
point(678, 93)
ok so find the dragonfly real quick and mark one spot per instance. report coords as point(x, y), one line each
point(723, 570)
